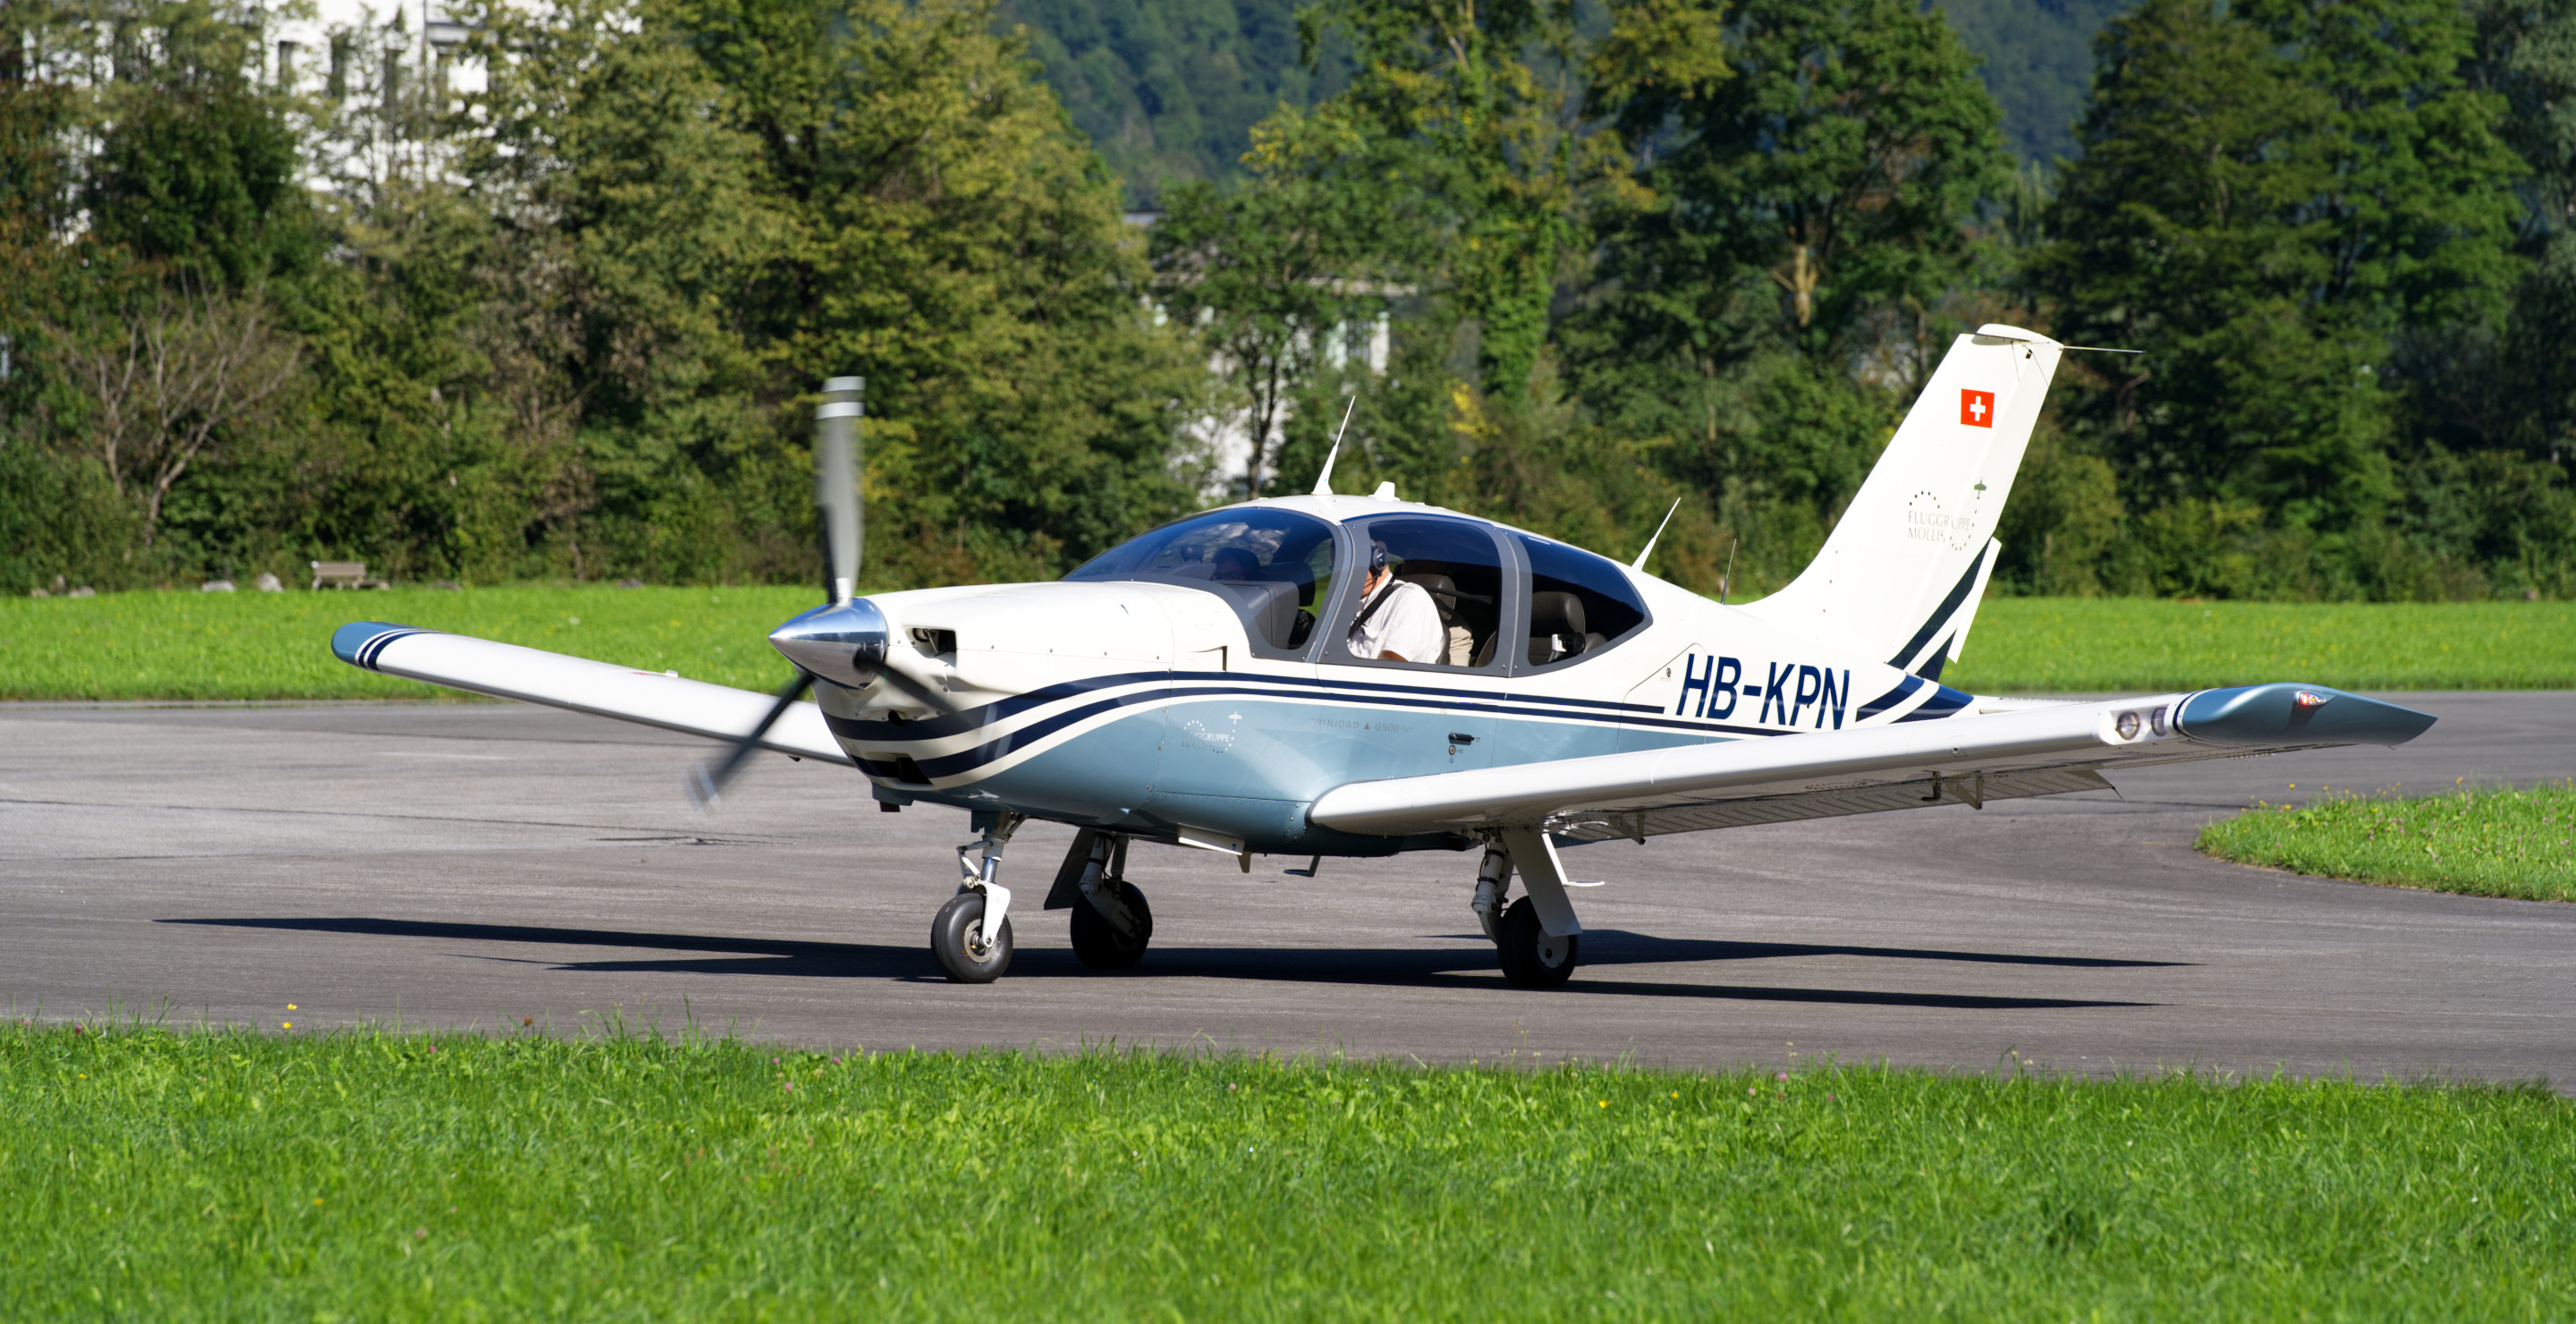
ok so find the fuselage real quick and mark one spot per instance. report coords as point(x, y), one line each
point(1171, 692)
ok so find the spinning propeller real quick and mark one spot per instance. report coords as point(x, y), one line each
point(846, 640)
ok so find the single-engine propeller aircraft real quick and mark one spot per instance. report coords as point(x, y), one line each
point(1331, 675)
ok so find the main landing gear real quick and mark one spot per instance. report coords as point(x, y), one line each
point(1537, 939)
point(1112, 924)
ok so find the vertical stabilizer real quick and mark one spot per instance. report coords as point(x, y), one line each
point(1899, 578)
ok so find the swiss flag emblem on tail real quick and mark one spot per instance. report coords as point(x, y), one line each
point(1977, 408)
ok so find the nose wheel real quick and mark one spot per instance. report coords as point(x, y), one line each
point(966, 953)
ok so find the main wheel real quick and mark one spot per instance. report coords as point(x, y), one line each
point(1530, 958)
point(1098, 943)
point(966, 955)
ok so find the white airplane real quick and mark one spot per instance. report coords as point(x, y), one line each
point(1332, 675)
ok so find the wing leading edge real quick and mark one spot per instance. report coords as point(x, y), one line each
point(532, 675)
point(1967, 759)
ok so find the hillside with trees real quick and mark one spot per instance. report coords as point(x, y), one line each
point(565, 321)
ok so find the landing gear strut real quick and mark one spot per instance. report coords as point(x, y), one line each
point(1111, 922)
point(971, 935)
point(1537, 939)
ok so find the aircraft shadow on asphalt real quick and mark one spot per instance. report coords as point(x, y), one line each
point(1463, 967)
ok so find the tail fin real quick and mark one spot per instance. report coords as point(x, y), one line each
point(1900, 577)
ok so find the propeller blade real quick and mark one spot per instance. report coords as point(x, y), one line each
point(706, 782)
point(836, 484)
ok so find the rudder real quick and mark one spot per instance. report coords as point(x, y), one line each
point(1901, 574)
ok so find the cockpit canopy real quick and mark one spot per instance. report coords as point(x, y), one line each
point(1272, 566)
point(1489, 586)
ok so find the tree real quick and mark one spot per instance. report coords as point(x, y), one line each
point(172, 377)
point(2267, 193)
point(2527, 56)
point(752, 195)
point(1265, 276)
point(1812, 173)
point(1478, 110)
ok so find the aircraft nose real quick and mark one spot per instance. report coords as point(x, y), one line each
point(844, 644)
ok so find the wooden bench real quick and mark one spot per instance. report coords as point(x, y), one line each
point(344, 574)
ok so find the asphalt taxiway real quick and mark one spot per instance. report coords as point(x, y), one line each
point(477, 865)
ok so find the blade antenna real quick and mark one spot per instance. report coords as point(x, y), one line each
point(1324, 480)
point(1729, 576)
point(1640, 562)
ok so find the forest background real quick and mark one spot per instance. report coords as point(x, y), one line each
point(569, 326)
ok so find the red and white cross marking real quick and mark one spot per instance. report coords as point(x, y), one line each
point(1977, 408)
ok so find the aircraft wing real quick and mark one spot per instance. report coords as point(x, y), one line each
point(1966, 759)
point(654, 698)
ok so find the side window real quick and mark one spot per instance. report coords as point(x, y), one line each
point(1437, 601)
point(1579, 603)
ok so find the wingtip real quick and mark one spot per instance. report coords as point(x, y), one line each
point(2283, 710)
point(358, 642)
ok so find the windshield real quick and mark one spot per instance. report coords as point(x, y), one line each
point(1272, 566)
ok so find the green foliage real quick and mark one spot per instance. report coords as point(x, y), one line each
point(2268, 194)
point(1169, 90)
point(2036, 57)
point(1476, 109)
point(594, 357)
point(386, 1175)
point(1281, 277)
point(1766, 307)
point(1615, 257)
point(2478, 842)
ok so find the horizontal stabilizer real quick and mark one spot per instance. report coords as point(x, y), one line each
point(602, 689)
point(1965, 758)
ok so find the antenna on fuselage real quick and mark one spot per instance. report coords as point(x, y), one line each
point(1324, 480)
point(1640, 562)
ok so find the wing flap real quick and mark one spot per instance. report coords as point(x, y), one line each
point(602, 689)
point(1745, 811)
point(1864, 770)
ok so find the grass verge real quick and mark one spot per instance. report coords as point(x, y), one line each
point(276, 646)
point(384, 1176)
point(2479, 842)
point(2093, 645)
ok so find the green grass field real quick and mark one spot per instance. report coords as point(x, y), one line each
point(276, 646)
point(2478, 842)
point(364, 1175)
point(2090, 645)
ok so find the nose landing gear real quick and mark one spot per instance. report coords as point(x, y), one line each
point(971, 935)
point(967, 951)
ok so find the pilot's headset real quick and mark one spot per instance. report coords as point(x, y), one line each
point(1377, 556)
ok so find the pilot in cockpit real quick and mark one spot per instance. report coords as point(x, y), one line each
point(1397, 622)
point(1234, 565)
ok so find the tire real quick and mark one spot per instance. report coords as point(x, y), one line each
point(1530, 958)
point(956, 940)
point(1098, 944)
